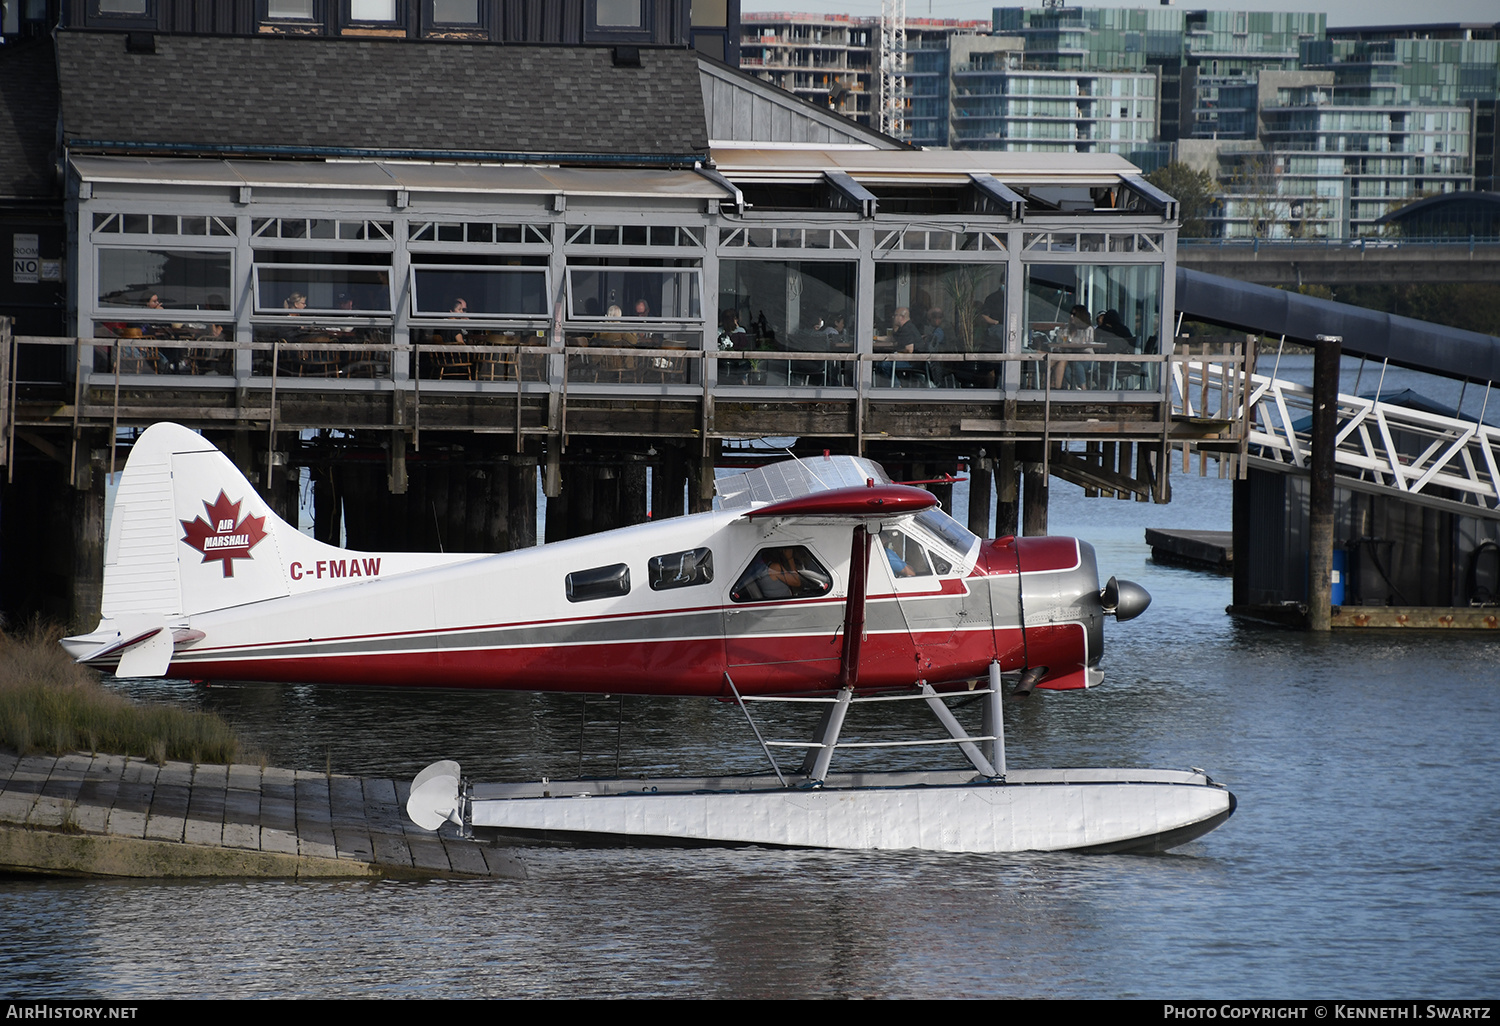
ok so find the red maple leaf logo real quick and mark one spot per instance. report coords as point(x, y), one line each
point(224, 536)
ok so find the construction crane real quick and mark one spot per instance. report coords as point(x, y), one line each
point(892, 67)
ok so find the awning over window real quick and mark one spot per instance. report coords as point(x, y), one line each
point(381, 175)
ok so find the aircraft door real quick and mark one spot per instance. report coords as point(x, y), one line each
point(945, 625)
point(783, 616)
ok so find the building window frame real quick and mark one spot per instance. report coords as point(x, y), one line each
point(264, 17)
point(594, 32)
point(399, 23)
point(431, 24)
point(94, 17)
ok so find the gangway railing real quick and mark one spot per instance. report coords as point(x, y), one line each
point(1396, 447)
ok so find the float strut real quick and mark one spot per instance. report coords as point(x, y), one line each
point(994, 721)
point(828, 737)
point(955, 731)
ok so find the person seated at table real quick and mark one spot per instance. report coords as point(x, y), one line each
point(295, 301)
point(937, 335)
point(904, 332)
point(989, 323)
point(1113, 334)
point(460, 306)
point(153, 302)
point(628, 338)
point(207, 358)
point(1077, 336)
point(905, 337)
point(731, 335)
point(643, 310)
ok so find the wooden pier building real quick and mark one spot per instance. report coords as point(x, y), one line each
point(404, 298)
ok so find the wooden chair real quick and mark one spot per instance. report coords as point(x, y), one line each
point(455, 366)
point(497, 366)
point(140, 360)
point(315, 363)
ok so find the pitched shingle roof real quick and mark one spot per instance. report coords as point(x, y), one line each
point(324, 97)
point(28, 119)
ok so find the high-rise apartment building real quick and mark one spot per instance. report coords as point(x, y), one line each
point(1003, 100)
point(827, 59)
point(833, 60)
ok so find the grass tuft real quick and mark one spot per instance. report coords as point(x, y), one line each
point(49, 703)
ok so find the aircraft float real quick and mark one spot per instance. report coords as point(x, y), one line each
point(815, 580)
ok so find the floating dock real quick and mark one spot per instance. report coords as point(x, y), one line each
point(1294, 615)
point(1201, 550)
point(117, 816)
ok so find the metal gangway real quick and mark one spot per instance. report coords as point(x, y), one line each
point(1389, 446)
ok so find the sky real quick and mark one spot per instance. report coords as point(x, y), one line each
point(1340, 12)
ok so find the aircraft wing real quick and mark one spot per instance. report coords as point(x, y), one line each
point(793, 478)
point(867, 502)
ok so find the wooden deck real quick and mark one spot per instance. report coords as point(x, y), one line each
point(116, 816)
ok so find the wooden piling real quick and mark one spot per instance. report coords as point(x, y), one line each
point(1007, 490)
point(1320, 497)
point(981, 489)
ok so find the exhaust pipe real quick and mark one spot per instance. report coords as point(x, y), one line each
point(1028, 681)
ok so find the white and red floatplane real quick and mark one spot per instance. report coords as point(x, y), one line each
point(775, 595)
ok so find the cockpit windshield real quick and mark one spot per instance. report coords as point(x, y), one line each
point(949, 531)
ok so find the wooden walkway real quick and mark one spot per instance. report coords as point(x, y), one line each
point(109, 815)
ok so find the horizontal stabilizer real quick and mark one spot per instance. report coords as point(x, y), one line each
point(149, 658)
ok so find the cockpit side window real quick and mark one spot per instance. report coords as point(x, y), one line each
point(782, 572)
point(681, 569)
point(905, 556)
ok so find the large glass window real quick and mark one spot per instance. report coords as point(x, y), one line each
point(941, 308)
point(1081, 310)
point(477, 291)
point(167, 279)
point(788, 306)
point(318, 348)
point(294, 288)
point(634, 293)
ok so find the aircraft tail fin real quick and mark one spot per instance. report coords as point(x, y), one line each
point(188, 534)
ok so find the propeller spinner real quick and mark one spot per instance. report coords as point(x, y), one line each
point(1124, 600)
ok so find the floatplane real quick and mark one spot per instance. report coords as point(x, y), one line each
point(816, 581)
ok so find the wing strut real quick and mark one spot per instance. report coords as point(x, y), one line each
point(854, 607)
point(820, 755)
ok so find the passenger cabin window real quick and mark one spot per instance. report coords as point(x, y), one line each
point(681, 569)
point(599, 583)
point(782, 572)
